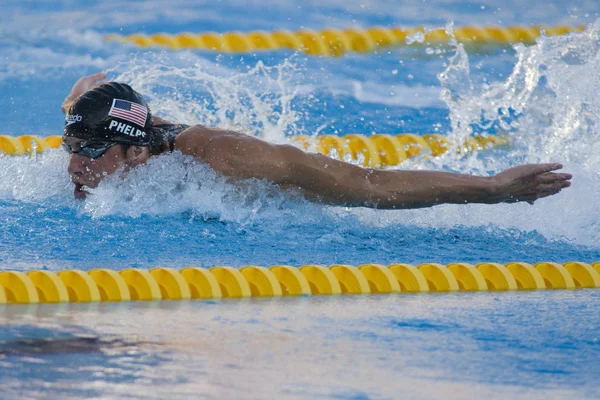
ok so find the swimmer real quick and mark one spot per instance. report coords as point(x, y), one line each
point(109, 126)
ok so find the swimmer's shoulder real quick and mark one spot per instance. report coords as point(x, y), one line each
point(194, 140)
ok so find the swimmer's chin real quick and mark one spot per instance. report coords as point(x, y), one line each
point(79, 192)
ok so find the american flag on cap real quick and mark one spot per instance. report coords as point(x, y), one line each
point(129, 111)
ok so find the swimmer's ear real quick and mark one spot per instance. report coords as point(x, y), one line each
point(136, 155)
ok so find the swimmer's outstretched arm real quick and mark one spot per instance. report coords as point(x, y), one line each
point(334, 182)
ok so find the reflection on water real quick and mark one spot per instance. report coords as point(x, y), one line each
point(425, 346)
point(47, 346)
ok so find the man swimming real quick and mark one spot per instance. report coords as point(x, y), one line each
point(109, 126)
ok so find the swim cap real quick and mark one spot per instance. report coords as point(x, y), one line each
point(112, 112)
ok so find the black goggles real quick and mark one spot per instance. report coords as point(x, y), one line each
point(88, 148)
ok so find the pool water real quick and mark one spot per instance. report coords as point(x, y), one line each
point(171, 212)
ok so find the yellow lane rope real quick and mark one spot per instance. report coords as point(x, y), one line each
point(376, 151)
point(334, 42)
point(41, 286)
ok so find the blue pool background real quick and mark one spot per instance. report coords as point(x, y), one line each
point(520, 345)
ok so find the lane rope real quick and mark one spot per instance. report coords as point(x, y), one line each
point(283, 280)
point(375, 151)
point(335, 43)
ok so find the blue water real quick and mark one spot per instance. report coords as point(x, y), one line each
point(169, 213)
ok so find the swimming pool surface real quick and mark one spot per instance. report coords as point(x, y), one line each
point(172, 213)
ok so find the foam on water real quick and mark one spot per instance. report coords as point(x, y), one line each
point(548, 105)
point(549, 108)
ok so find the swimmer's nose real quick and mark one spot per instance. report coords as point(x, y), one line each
point(76, 164)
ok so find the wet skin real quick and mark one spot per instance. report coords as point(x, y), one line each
point(87, 173)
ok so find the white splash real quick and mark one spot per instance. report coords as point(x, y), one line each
point(175, 184)
point(194, 90)
point(550, 108)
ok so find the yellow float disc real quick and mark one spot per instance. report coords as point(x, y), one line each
point(436, 36)
point(439, 278)
point(468, 277)
point(359, 40)
point(141, 284)
point(437, 143)
point(172, 285)
point(380, 278)
point(351, 280)
point(526, 276)
point(381, 36)
point(287, 39)
point(490, 141)
point(166, 40)
point(232, 282)
point(497, 276)
point(18, 287)
point(312, 43)
point(190, 40)
point(262, 40)
point(212, 41)
point(3, 299)
point(111, 285)
point(596, 266)
point(237, 42)
point(262, 281)
point(584, 275)
point(470, 144)
point(302, 140)
point(360, 144)
point(409, 277)
point(321, 279)
point(50, 288)
point(140, 40)
point(338, 43)
point(291, 280)
point(28, 140)
point(470, 34)
point(203, 284)
point(400, 33)
point(412, 144)
point(80, 286)
point(555, 275)
point(53, 142)
point(326, 143)
point(391, 151)
point(11, 146)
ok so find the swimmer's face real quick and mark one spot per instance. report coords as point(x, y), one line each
point(88, 172)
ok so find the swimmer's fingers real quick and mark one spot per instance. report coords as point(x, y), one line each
point(538, 169)
point(544, 190)
point(538, 192)
point(551, 177)
point(97, 78)
point(550, 187)
point(541, 192)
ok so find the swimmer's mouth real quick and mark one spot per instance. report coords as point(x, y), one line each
point(79, 192)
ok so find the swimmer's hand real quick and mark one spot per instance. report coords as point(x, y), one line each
point(81, 86)
point(528, 183)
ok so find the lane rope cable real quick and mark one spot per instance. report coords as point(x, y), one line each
point(161, 283)
point(376, 151)
point(335, 42)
